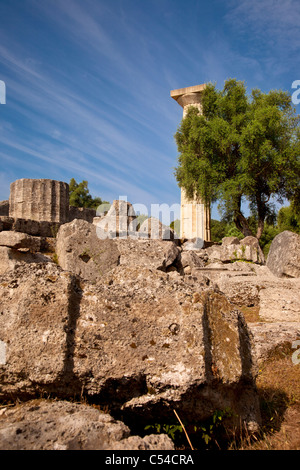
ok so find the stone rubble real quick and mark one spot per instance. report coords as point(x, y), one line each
point(142, 326)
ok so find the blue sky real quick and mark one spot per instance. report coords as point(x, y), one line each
point(88, 83)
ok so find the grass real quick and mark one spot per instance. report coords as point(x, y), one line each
point(279, 391)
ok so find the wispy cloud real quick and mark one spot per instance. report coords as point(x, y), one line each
point(269, 26)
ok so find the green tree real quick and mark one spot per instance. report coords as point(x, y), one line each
point(80, 195)
point(242, 148)
point(288, 219)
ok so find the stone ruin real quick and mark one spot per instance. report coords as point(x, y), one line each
point(40, 200)
point(39, 207)
point(139, 325)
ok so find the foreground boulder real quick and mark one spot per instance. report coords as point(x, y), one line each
point(80, 250)
point(18, 240)
point(151, 254)
point(284, 255)
point(141, 342)
point(60, 425)
point(11, 258)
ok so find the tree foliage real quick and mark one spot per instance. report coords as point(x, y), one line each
point(288, 219)
point(80, 196)
point(242, 148)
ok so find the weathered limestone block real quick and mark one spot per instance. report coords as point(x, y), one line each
point(80, 250)
point(139, 342)
point(269, 336)
point(19, 240)
point(284, 255)
point(4, 208)
point(39, 307)
point(84, 213)
point(189, 261)
point(280, 301)
point(164, 345)
point(10, 259)
point(61, 425)
point(232, 249)
point(153, 228)
point(35, 227)
point(39, 199)
point(6, 223)
point(31, 227)
point(277, 299)
point(153, 254)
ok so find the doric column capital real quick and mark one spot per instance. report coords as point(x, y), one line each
point(191, 96)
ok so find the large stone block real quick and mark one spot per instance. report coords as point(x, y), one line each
point(138, 342)
point(39, 199)
point(19, 240)
point(81, 251)
point(233, 249)
point(284, 255)
point(4, 208)
point(10, 258)
point(118, 221)
point(84, 213)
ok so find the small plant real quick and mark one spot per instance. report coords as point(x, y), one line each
point(205, 434)
point(169, 429)
point(55, 258)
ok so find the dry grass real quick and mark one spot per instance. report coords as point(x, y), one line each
point(251, 314)
point(279, 390)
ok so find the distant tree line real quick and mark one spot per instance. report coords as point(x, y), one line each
point(288, 218)
point(79, 195)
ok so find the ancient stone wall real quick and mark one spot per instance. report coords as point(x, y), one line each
point(83, 213)
point(4, 208)
point(40, 200)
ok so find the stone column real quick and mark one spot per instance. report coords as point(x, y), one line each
point(195, 215)
point(39, 199)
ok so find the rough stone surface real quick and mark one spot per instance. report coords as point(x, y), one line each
point(153, 228)
point(268, 336)
point(60, 425)
point(284, 255)
point(39, 199)
point(189, 262)
point(250, 285)
point(232, 249)
point(119, 220)
point(4, 208)
point(152, 254)
point(18, 240)
point(85, 213)
point(10, 259)
point(80, 250)
point(140, 341)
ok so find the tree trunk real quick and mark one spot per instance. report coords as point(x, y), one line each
point(260, 228)
point(242, 224)
point(261, 214)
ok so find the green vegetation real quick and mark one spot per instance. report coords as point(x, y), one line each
point(81, 197)
point(242, 149)
point(175, 225)
point(209, 434)
point(287, 219)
